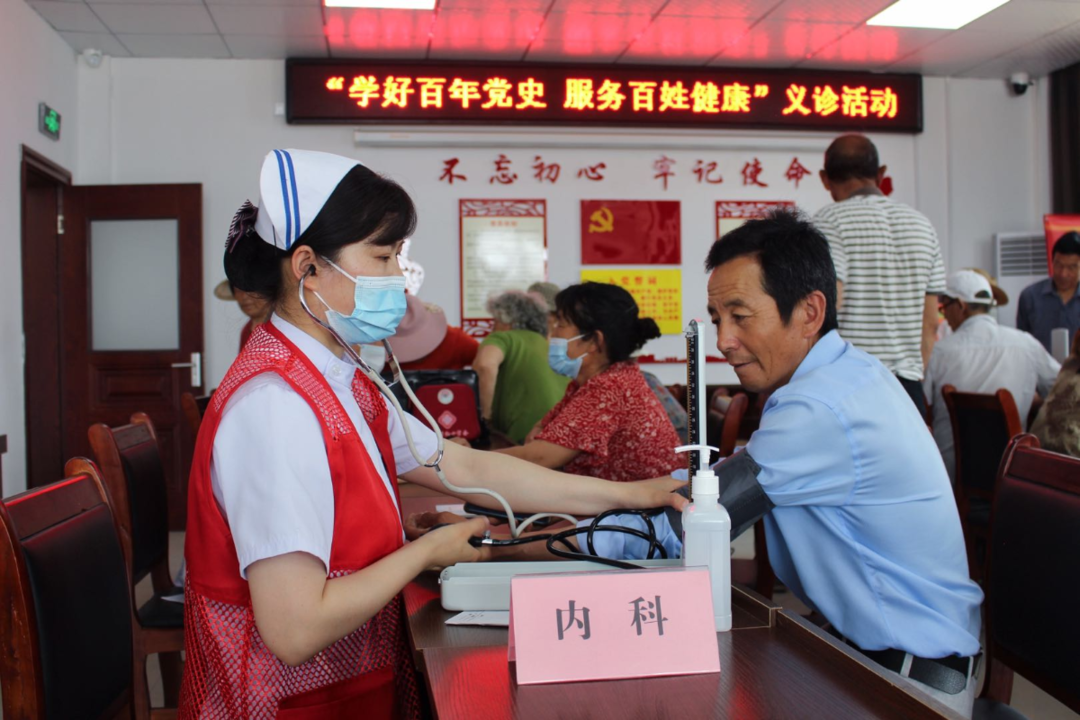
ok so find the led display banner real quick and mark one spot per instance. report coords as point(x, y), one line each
point(359, 91)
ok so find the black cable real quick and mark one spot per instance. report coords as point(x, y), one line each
point(574, 553)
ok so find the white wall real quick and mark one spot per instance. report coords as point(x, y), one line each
point(980, 167)
point(36, 65)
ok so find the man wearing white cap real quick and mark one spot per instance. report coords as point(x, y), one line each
point(981, 357)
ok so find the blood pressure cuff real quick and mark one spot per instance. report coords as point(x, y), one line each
point(740, 493)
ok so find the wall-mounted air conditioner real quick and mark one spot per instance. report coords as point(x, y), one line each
point(1020, 260)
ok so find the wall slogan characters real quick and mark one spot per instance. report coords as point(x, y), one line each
point(503, 247)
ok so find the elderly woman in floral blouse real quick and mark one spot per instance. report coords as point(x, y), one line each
point(1058, 423)
point(609, 424)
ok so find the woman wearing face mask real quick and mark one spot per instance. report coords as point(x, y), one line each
point(609, 424)
point(294, 548)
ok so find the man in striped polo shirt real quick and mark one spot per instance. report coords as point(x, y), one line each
point(888, 264)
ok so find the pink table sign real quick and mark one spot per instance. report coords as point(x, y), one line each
point(571, 627)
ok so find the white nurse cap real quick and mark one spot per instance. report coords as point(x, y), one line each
point(294, 185)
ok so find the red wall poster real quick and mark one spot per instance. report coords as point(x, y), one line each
point(630, 232)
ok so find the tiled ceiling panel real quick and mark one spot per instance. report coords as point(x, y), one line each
point(1040, 57)
point(839, 11)
point(774, 43)
point(487, 35)
point(105, 42)
point(1037, 36)
point(177, 46)
point(744, 9)
point(240, 20)
point(872, 48)
point(270, 46)
point(684, 40)
point(69, 16)
point(156, 19)
point(391, 34)
point(586, 37)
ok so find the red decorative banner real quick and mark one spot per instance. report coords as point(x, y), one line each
point(356, 91)
point(630, 232)
point(730, 214)
point(1056, 226)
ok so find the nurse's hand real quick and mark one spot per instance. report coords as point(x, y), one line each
point(656, 493)
point(450, 544)
point(418, 524)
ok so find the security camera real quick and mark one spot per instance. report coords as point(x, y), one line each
point(93, 57)
point(1020, 82)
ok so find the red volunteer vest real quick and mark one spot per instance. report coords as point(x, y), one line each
point(229, 672)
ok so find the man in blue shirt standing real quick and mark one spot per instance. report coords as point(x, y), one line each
point(1055, 301)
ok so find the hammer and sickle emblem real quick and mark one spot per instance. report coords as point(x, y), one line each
point(602, 221)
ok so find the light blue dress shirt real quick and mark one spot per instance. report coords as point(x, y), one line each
point(865, 528)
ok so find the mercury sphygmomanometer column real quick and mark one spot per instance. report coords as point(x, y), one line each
point(706, 524)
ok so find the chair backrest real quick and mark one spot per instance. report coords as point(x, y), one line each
point(66, 626)
point(982, 427)
point(130, 462)
point(453, 399)
point(194, 408)
point(729, 435)
point(1034, 569)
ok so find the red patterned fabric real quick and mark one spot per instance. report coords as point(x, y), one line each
point(617, 423)
point(229, 672)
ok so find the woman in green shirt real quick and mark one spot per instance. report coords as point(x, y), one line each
point(517, 387)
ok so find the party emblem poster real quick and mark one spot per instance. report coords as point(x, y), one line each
point(503, 247)
point(630, 232)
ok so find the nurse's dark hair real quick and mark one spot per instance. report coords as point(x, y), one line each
point(363, 207)
point(794, 258)
point(610, 309)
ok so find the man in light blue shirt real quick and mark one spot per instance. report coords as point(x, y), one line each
point(859, 513)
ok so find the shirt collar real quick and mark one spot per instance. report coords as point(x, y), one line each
point(976, 320)
point(1049, 289)
point(825, 351)
point(336, 371)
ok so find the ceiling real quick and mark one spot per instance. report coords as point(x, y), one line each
point(1033, 36)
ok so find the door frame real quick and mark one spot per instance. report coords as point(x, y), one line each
point(37, 332)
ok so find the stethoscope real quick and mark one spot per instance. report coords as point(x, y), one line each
point(516, 528)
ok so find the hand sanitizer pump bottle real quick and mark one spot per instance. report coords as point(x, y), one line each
point(707, 536)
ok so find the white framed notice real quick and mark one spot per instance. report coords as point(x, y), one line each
point(503, 247)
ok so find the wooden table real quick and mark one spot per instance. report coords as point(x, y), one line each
point(774, 664)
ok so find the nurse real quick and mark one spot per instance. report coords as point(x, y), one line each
point(294, 546)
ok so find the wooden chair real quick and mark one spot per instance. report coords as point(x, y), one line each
point(982, 427)
point(67, 620)
point(194, 408)
point(761, 576)
point(1033, 574)
point(133, 472)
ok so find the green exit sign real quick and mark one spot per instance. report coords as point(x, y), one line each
point(48, 121)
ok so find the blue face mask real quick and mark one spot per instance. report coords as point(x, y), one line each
point(378, 307)
point(559, 361)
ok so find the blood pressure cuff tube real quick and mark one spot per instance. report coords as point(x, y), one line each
point(740, 493)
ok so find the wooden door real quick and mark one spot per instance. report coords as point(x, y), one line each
point(43, 188)
point(131, 316)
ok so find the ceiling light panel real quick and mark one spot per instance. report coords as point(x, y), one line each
point(934, 13)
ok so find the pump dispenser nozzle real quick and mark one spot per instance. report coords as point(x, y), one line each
point(705, 479)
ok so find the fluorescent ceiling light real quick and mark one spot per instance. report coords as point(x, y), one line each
point(943, 14)
point(384, 4)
